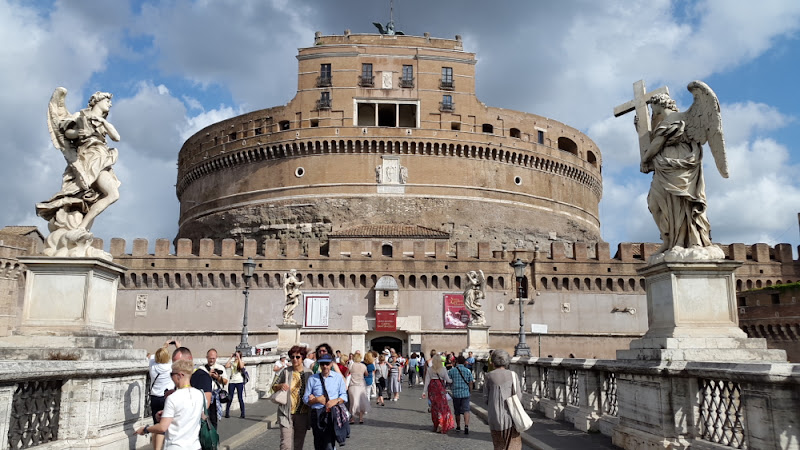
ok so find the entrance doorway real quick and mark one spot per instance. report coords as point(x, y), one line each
point(379, 343)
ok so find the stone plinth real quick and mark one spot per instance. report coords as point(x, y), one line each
point(478, 341)
point(69, 297)
point(68, 313)
point(692, 316)
point(288, 336)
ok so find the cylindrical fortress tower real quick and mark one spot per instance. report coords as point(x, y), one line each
point(383, 130)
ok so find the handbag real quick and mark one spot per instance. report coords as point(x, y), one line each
point(522, 421)
point(279, 397)
point(223, 396)
point(209, 438)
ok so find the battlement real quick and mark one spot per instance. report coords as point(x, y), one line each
point(627, 252)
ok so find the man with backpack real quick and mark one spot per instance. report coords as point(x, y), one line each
point(461, 388)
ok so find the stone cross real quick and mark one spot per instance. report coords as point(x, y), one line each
point(639, 104)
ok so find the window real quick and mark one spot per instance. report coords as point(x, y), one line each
point(776, 299)
point(487, 128)
point(408, 77)
point(567, 145)
point(515, 133)
point(447, 103)
point(324, 78)
point(447, 79)
point(324, 101)
point(386, 250)
point(366, 79)
point(539, 137)
point(283, 124)
point(314, 123)
point(386, 114)
point(455, 126)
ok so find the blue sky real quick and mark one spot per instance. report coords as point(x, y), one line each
point(176, 66)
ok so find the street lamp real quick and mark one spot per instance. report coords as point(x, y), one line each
point(248, 268)
point(521, 349)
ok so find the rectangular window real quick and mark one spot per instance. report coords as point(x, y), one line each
point(539, 137)
point(408, 76)
point(447, 78)
point(324, 101)
point(447, 103)
point(366, 75)
point(324, 78)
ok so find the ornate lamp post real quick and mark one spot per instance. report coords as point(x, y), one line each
point(248, 268)
point(521, 349)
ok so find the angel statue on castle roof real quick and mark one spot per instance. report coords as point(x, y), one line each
point(89, 184)
point(677, 197)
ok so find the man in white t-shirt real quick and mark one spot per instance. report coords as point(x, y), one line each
point(180, 420)
point(310, 360)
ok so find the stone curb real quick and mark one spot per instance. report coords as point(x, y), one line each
point(250, 432)
point(529, 440)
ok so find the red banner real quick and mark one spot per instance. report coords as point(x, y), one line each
point(456, 315)
point(385, 320)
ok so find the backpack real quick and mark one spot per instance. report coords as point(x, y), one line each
point(245, 375)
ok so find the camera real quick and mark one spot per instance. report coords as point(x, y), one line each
point(219, 371)
point(172, 342)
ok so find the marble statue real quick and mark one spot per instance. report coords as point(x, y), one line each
point(89, 184)
point(677, 198)
point(379, 174)
point(473, 294)
point(291, 288)
point(403, 174)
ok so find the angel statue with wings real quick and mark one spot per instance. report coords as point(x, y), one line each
point(473, 294)
point(291, 288)
point(89, 184)
point(677, 197)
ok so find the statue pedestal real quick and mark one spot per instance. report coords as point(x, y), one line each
point(692, 316)
point(478, 340)
point(288, 336)
point(69, 310)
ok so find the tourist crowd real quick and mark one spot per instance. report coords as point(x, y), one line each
point(321, 390)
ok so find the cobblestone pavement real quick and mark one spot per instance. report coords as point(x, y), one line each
point(405, 424)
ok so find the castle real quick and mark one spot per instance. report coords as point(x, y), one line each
point(383, 182)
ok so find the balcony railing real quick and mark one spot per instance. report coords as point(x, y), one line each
point(366, 81)
point(324, 81)
point(324, 103)
point(407, 82)
point(447, 106)
point(447, 85)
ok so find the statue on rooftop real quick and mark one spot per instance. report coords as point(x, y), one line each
point(291, 288)
point(473, 294)
point(389, 30)
point(677, 198)
point(89, 184)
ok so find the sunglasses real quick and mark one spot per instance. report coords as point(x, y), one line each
point(296, 357)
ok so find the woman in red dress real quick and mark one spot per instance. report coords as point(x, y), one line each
point(435, 388)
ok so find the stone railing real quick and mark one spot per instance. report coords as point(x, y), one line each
point(88, 404)
point(711, 405)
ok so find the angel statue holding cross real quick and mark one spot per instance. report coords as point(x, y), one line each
point(673, 151)
point(89, 184)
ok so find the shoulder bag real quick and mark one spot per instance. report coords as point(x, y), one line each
point(209, 438)
point(280, 396)
point(522, 421)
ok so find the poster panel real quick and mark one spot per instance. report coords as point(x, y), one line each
point(316, 310)
point(385, 320)
point(456, 315)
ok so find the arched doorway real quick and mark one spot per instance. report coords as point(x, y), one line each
point(379, 343)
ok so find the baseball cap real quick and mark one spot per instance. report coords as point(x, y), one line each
point(326, 358)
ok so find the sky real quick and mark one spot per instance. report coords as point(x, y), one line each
point(175, 66)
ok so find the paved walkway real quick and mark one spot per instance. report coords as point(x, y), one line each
point(404, 424)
